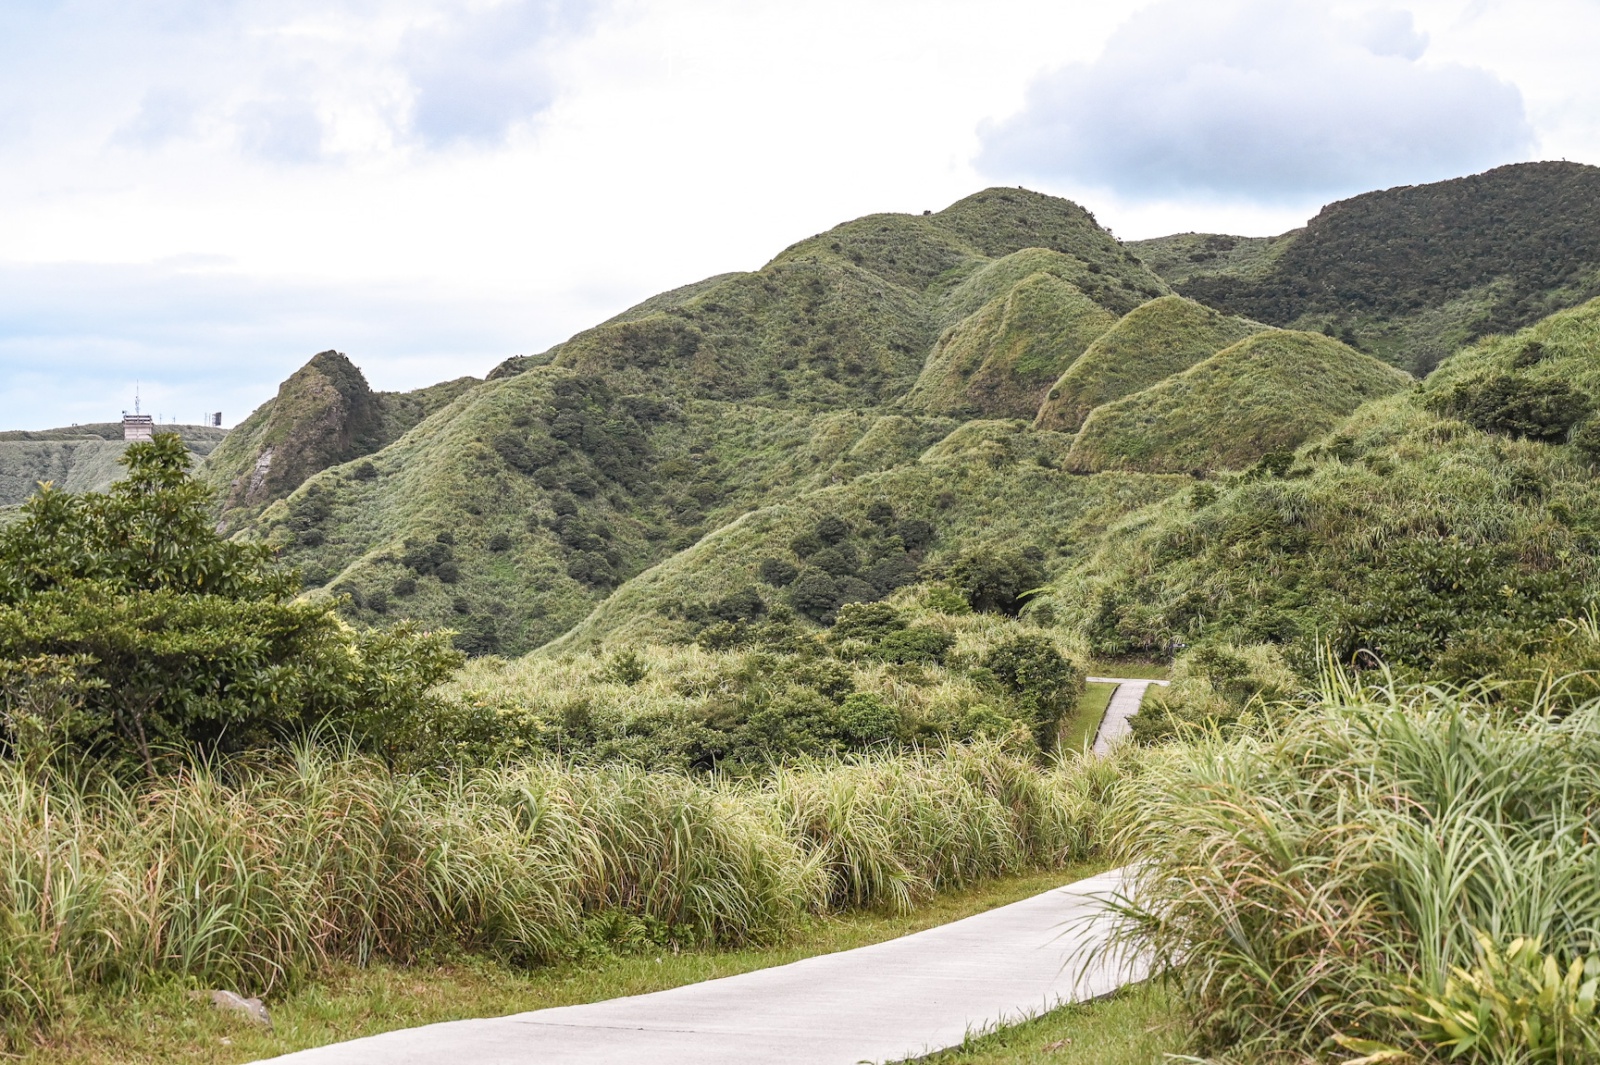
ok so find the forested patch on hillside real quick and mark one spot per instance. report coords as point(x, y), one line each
point(1411, 272)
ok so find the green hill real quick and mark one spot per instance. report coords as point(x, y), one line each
point(324, 414)
point(1163, 337)
point(1182, 257)
point(653, 476)
point(1270, 392)
point(565, 474)
point(79, 458)
point(1000, 361)
point(1441, 528)
point(1411, 273)
point(993, 485)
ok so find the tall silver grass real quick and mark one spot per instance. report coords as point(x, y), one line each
point(255, 877)
point(1300, 878)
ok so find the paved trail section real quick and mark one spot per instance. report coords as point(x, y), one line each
point(887, 1002)
point(1124, 704)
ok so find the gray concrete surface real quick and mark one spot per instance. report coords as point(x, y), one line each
point(881, 1003)
point(1124, 704)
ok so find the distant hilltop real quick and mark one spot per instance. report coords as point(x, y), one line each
point(83, 458)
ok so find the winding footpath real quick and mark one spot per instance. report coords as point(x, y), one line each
point(886, 1002)
point(1124, 704)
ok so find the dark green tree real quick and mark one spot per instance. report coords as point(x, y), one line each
point(1042, 683)
point(169, 636)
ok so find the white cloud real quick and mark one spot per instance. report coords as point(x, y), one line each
point(280, 131)
point(165, 114)
point(1259, 99)
point(491, 176)
point(480, 71)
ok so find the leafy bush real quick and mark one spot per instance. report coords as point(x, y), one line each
point(777, 572)
point(1039, 678)
point(865, 719)
point(1517, 406)
point(867, 621)
point(997, 581)
point(745, 604)
point(815, 594)
point(174, 636)
point(1516, 1004)
point(833, 530)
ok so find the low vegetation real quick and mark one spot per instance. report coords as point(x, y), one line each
point(1406, 874)
point(263, 875)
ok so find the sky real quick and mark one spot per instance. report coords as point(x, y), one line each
point(198, 195)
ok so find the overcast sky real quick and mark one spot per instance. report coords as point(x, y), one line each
point(201, 194)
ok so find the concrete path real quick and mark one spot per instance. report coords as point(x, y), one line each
point(1124, 704)
point(886, 1002)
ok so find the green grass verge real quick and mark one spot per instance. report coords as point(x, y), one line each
point(1137, 1026)
point(166, 1025)
point(1130, 669)
point(1085, 724)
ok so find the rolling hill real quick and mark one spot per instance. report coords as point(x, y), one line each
point(997, 376)
point(1270, 392)
point(1160, 338)
point(1410, 273)
point(1441, 528)
point(512, 510)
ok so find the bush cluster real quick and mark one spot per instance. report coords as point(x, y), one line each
point(1391, 848)
point(1515, 405)
point(839, 563)
point(128, 627)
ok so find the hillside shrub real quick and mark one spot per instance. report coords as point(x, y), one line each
point(1517, 406)
point(867, 621)
point(815, 594)
point(1040, 679)
point(997, 581)
point(777, 572)
point(177, 638)
point(865, 719)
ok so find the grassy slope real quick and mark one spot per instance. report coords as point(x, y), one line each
point(1182, 257)
point(1085, 725)
point(743, 392)
point(1163, 337)
point(1000, 361)
point(167, 1026)
point(1286, 559)
point(984, 484)
point(1270, 392)
point(1137, 1026)
point(699, 470)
